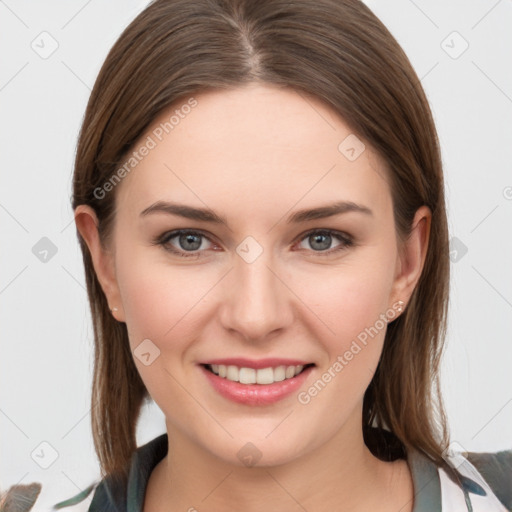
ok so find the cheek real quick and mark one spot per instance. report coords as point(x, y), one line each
point(350, 299)
point(160, 305)
point(159, 301)
point(354, 306)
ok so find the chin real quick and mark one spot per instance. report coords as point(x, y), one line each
point(257, 451)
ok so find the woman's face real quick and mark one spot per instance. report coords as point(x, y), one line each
point(270, 286)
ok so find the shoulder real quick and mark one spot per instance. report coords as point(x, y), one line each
point(482, 480)
point(496, 469)
point(112, 493)
point(80, 502)
point(101, 496)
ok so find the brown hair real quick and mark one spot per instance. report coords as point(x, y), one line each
point(337, 51)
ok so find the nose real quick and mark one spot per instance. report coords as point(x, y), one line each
point(257, 302)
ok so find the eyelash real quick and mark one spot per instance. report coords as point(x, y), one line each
point(165, 238)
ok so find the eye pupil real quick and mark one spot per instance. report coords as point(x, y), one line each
point(316, 237)
point(189, 237)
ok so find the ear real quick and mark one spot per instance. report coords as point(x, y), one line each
point(102, 258)
point(411, 256)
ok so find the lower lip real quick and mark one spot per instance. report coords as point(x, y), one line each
point(256, 394)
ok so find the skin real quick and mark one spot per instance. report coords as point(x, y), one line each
point(255, 155)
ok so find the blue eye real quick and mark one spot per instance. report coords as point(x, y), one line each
point(190, 242)
point(321, 239)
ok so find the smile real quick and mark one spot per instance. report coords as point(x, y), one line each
point(246, 375)
point(256, 382)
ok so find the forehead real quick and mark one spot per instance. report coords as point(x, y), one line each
point(253, 146)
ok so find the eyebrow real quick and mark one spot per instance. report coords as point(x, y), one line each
point(206, 215)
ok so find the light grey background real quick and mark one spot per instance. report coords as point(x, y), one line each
point(46, 334)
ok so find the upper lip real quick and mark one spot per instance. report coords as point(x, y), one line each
point(241, 362)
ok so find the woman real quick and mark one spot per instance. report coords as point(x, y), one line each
point(294, 346)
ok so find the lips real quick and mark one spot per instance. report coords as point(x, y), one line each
point(256, 382)
point(256, 364)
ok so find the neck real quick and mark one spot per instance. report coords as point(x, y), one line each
point(341, 474)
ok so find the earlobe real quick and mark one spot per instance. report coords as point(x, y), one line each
point(412, 255)
point(87, 224)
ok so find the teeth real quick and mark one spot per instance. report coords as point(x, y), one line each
point(290, 372)
point(247, 376)
point(252, 376)
point(280, 373)
point(233, 374)
point(265, 376)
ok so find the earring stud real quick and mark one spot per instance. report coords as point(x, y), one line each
point(113, 309)
point(400, 306)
